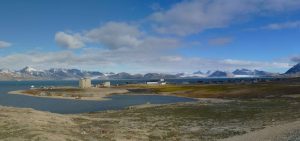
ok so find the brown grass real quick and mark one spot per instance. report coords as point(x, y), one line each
point(261, 90)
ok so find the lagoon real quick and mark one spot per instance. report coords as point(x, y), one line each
point(65, 106)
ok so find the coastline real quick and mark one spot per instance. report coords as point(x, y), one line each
point(99, 96)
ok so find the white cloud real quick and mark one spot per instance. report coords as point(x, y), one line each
point(191, 64)
point(194, 16)
point(160, 43)
point(115, 35)
point(156, 7)
point(4, 44)
point(69, 41)
point(171, 58)
point(295, 59)
point(279, 5)
point(62, 59)
point(128, 48)
point(139, 61)
point(220, 41)
point(284, 25)
point(255, 64)
point(121, 45)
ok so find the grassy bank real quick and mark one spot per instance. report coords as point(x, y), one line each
point(182, 121)
point(242, 91)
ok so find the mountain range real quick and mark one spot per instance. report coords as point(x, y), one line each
point(29, 73)
point(294, 71)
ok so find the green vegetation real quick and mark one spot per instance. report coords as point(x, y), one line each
point(55, 92)
point(202, 121)
point(72, 92)
point(259, 90)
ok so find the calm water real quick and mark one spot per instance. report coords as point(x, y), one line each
point(75, 106)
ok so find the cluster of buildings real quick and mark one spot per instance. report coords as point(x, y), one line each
point(87, 83)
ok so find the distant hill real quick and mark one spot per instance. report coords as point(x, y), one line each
point(220, 74)
point(198, 72)
point(243, 72)
point(254, 73)
point(294, 70)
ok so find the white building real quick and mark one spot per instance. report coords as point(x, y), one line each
point(85, 83)
point(161, 82)
point(106, 84)
point(152, 83)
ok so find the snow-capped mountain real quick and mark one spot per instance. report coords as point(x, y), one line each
point(263, 73)
point(197, 74)
point(221, 74)
point(247, 72)
point(28, 69)
point(50, 74)
point(242, 72)
point(30, 73)
point(236, 73)
point(108, 73)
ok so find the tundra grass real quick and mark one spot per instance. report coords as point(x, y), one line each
point(199, 121)
point(262, 90)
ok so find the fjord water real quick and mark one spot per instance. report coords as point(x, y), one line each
point(65, 106)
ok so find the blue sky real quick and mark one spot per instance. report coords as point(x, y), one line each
point(150, 35)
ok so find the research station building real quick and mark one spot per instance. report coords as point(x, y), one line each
point(106, 84)
point(85, 83)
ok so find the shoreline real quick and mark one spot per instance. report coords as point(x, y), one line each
point(103, 95)
point(20, 92)
point(95, 94)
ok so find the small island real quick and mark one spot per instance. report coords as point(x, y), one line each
point(72, 92)
point(85, 91)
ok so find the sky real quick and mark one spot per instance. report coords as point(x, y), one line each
point(141, 36)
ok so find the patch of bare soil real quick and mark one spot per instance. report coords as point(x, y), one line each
point(283, 132)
